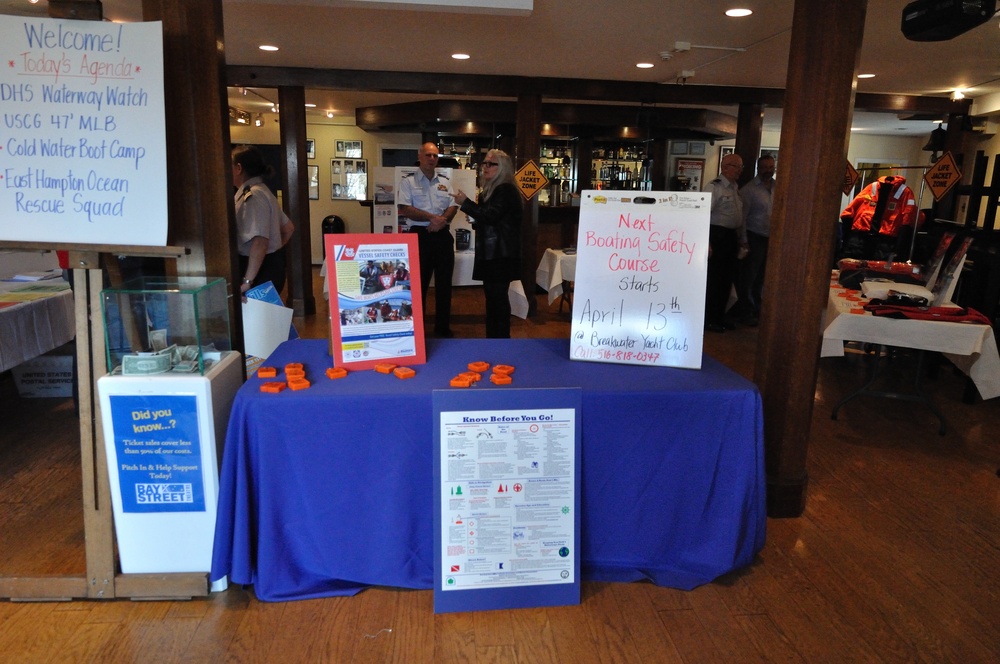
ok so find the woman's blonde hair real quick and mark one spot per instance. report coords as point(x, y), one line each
point(505, 171)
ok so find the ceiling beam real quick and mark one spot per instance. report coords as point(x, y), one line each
point(475, 85)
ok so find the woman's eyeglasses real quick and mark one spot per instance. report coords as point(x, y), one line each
point(490, 163)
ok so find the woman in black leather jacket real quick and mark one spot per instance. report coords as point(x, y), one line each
point(497, 222)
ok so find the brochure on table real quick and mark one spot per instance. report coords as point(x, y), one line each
point(377, 313)
point(639, 296)
point(84, 142)
point(506, 482)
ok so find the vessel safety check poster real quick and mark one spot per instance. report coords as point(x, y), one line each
point(506, 481)
point(639, 296)
point(83, 140)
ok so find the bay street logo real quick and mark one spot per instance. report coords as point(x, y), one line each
point(149, 494)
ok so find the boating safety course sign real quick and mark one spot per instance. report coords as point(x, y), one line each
point(82, 137)
point(507, 488)
point(642, 261)
point(377, 313)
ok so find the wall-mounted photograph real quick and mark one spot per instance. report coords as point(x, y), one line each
point(349, 179)
point(347, 149)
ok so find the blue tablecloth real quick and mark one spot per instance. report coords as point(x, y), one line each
point(328, 490)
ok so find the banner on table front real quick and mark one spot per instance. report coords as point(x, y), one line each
point(639, 296)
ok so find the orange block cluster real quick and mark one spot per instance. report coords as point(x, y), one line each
point(500, 376)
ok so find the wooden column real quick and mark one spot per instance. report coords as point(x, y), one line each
point(749, 126)
point(814, 138)
point(292, 101)
point(529, 124)
point(200, 195)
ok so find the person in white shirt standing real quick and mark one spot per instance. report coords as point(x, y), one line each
point(263, 229)
point(757, 196)
point(726, 235)
point(425, 199)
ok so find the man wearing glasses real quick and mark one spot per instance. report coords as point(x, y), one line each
point(426, 201)
point(726, 236)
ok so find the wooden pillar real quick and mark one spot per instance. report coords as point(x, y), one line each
point(292, 102)
point(529, 124)
point(814, 138)
point(749, 126)
point(200, 195)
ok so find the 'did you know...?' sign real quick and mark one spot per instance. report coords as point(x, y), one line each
point(82, 136)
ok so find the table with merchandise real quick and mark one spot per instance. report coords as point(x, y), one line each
point(327, 490)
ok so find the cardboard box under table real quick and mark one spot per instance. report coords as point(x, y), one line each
point(327, 490)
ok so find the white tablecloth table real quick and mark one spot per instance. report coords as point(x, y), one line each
point(556, 268)
point(35, 326)
point(970, 347)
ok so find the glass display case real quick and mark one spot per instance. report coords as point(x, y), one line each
point(157, 325)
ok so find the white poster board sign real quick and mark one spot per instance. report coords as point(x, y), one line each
point(640, 278)
point(83, 138)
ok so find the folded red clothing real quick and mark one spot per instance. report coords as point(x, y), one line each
point(947, 314)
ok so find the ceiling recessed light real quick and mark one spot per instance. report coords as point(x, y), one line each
point(308, 105)
point(957, 95)
point(329, 114)
point(738, 12)
point(644, 65)
point(267, 47)
point(460, 56)
point(866, 75)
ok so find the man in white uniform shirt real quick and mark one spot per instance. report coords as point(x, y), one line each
point(726, 235)
point(426, 200)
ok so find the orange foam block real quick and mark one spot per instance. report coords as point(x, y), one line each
point(294, 365)
point(504, 369)
point(385, 367)
point(479, 366)
point(273, 387)
point(336, 372)
point(472, 376)
point(500, 379)
point(294, 374)
point(267, 372)
point(299, 384)
point(404, 372)
point(459, 381)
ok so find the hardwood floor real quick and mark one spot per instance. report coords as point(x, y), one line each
point(895, 559)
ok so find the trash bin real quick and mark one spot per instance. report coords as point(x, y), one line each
point(332, 224)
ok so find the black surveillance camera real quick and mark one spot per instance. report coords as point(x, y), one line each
point(941, 20)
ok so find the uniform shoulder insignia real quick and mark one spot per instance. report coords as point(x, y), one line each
point(716, 181)
point(443, 176)
point(408, 175)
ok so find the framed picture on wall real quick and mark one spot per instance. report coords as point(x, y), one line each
point(313, 172)
point(310, 148)
point(348, 179)
point(347, 149)
point(678, 147)
point(697, 148)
